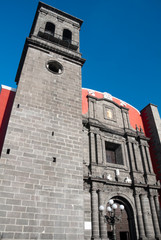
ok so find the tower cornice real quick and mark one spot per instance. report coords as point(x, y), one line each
point(48, 49)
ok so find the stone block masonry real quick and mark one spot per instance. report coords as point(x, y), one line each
point(41, 164)
point(41, 196)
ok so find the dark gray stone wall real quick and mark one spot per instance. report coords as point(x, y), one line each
point(41, 165)
point(47, 195)
point(152, 125)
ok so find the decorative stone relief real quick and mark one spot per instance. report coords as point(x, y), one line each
point(158, 183)
point(122, 103)
point(91, 92)
point(127, 180)
point(107, 96)
point(109, 177)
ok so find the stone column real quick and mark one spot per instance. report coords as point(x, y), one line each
point(157, 207)
point(125, 155)
point(135, 152)
point(149, 160)
point(145, 217)
point(138, 157)
point(131, 156)
point(124, 115)
point(91, 108)
point(103, 225)
point(144, 159)
point(95, 221)
point(139, 217)
point(92, 147)
point(104, 151)
point(154, 217)
point(99, 149)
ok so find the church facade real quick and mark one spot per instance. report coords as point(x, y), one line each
point(67, 150)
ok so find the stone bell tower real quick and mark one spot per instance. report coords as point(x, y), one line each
point(42, 175)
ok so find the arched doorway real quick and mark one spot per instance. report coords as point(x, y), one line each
point(125, 229)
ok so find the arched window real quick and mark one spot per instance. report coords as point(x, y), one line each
point(50, 28)
point(67, 35)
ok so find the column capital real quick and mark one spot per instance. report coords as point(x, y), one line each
point(94, 187)
point(101, 191)
point(137, 192)
point(143, 195)
point(152, 193)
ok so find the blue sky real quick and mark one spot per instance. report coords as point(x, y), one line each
point(120, 40)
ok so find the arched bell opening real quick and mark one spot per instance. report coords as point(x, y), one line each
point(67, 36)
point(50, 28)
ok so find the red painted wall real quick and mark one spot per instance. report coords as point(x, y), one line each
point(6, 101)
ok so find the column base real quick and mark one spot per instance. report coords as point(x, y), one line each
point(150, 238)
point(98, 238)
point(154, 238)
point(158, 237)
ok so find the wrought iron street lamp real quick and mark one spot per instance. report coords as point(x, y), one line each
point(111, 218)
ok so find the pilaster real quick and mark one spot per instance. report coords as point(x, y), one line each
point(139, 217)
point(103, 225)
point(99, 148)
point(154, 217)
point(146, 217)
point(95, 218)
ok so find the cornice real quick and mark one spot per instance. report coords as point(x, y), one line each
point(38, 43)
point(107, 100)
point(55, 10)
point(125, 132)
point(35, 43)
point(121, 184)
